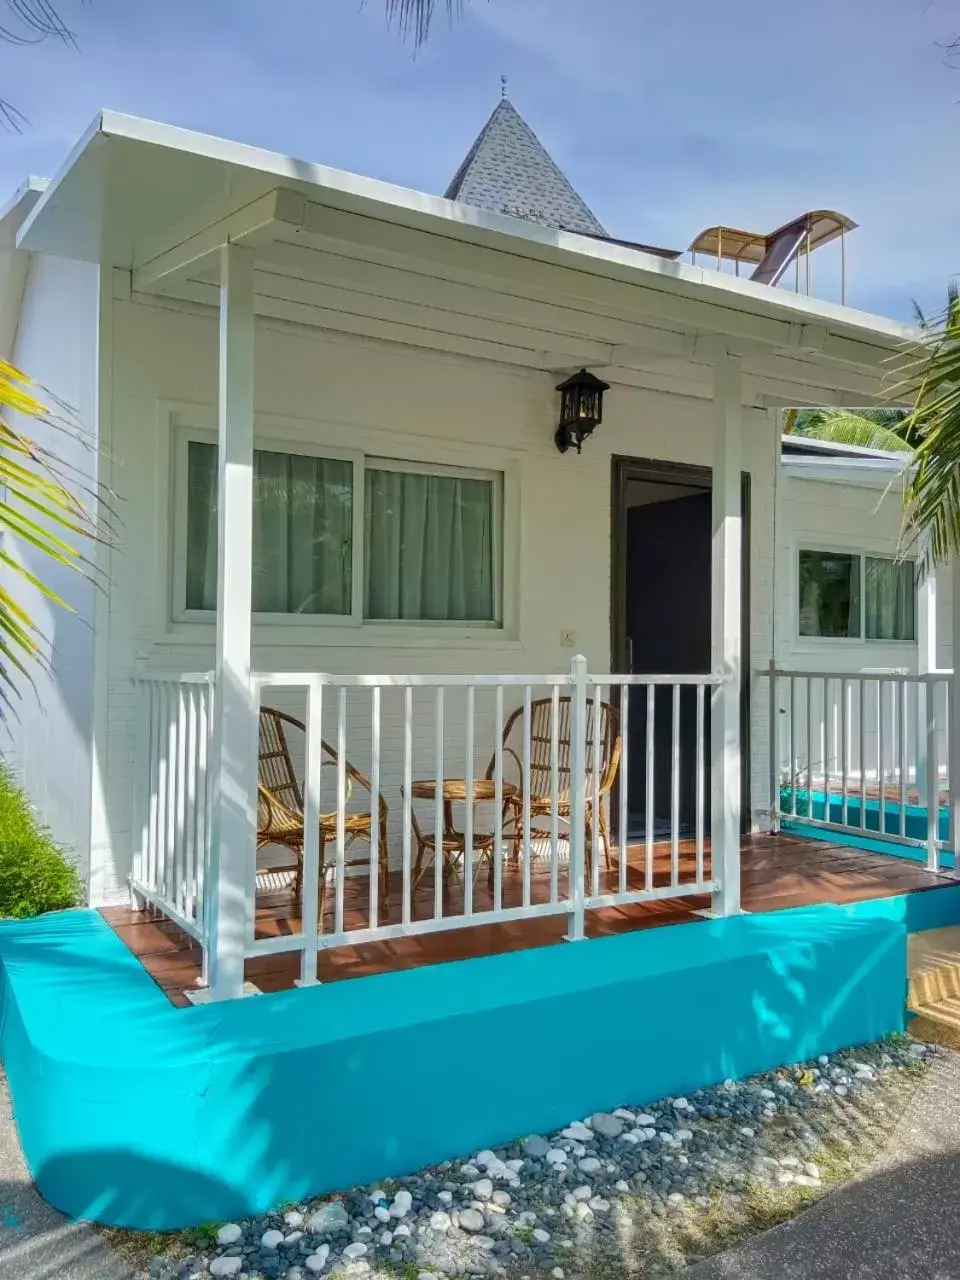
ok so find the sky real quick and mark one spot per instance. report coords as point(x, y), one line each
point(667, 115)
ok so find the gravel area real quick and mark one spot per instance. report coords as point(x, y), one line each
point(639, 1191)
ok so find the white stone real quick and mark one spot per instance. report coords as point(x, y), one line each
point(606, 1125)
point(599, 1205)
point(402, 1204)
point(557, 1273)
point(271, 1239)
point(623, 1114)
point(644, 1121)
point(824, 1060)
point(378, 1194)
point(317, 1261)
point(582, 1193)
point(540, 1235)
point(590, 1165)
point(789, 1162)
point(401, 1232)
point(577, 1132)
point(622, 1186)
point(484, 1158)
point(632, 1138)
point(226, 1266)
point(501, 1198)
point(440, 1221)
point(811, 1170)
point(556, 1156)
point(583, 1212)
point(471, 1220)
point(445, 1197)
point(354, 1252)
point(386, 1239)
point(515, 1165)
point(683, 1135)
point(229, 1234)
point(381, 1213)
point(681, 1104)
point(483, 1189)
point(747, 1131)
point(840, 1090)
point(329, 1217)
point(675, 1198)
point(804, 1180)
point(469, 1171)
point(293, 1218)
point(767, 1093)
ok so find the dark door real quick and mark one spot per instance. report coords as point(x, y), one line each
point(667, 608)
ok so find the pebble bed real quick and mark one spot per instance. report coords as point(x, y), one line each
point(549, 1204)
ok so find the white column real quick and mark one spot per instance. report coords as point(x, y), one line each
point(235, 712)
point(953, 717)
point(926, 662)
point(726, 640)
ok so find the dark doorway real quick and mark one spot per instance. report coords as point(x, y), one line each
point(661, 615)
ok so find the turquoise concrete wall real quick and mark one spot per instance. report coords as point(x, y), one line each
point(870, 835)
point(874, 843)
point(138, 1114)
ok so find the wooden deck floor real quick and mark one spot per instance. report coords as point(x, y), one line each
point(776, 872)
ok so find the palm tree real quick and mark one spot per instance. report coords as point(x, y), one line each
point(931, 381)
point(39, 508)
point(866, 428)
point(414, 17)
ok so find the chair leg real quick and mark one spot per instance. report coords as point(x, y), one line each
point(605, 836)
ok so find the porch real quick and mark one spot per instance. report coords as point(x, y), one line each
point(777, 872)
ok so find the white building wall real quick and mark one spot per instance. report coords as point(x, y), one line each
point(47, 734)
point(388, 400)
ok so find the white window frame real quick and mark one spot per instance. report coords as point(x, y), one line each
point(505, 498)
point(863, 554)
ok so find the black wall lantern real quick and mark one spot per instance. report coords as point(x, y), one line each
point(581, 409)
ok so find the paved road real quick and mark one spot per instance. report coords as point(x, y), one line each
point(898, 1220)
point(36, 1242)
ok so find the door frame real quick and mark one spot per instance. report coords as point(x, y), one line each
point(623, 469)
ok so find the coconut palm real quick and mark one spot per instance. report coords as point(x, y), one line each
point(39, 507)
point(414, 17)
point(872, 428)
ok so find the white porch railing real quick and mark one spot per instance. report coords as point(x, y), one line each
point(171, 819)
point(863, 752)
point(536, 847)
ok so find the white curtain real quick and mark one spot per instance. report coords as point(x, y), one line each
point(302, 532)
point(428, 551)
point(890, 604)
point(829, 594)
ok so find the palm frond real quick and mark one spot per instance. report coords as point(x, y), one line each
point(414, 18)
point(39, 509)
point(880, 428)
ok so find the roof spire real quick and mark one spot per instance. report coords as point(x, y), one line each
point(503, 88)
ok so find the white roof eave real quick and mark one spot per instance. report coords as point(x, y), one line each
point(79, 215)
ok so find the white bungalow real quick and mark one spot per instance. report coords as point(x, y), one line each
point(327, 409)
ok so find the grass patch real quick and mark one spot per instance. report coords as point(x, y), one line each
point(35, 876)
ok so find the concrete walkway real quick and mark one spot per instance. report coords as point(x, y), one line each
point(36, 1242)
point(899, 1219)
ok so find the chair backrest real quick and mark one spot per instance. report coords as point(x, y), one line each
point(275, 765)
point(541, 744)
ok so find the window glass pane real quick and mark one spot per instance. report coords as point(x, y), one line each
point(429, 547)
point(302, 532)
point(829, 594)
point(890, 603)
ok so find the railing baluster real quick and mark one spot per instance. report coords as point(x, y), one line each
point(170, 795)
point(405, 909)
point(179, 868)
point(468, 812)
point(341, 807)
point(844, 747)
point(881, 773)
point(902, 741)
point(190, 824)
point(700, 798)
point(203, 801)
point(623, 841)
point(933, 779)
point(824, 749)
point(312, 922)
point(595, 795)
point(794, 758)
point(439, 867)
point(525, 794)
point(810, 812)
point(555, 797)
point(153, 788)
point(862, 689)
point(650, 798)
point(375, 812)
point(675, 787)
point(498, 802)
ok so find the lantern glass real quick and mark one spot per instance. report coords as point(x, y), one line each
point(581, 409)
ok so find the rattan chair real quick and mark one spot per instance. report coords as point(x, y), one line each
point(280, 806)
point(540, 798)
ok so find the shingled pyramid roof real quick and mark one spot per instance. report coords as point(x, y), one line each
point(507, 170)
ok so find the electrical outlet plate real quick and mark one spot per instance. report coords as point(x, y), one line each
point(568, 639)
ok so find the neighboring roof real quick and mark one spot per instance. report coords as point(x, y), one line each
point(130, 184)
point(734, 244)
point(807, 445)
point(508, 170)
point(821, 460)
point(13, 265)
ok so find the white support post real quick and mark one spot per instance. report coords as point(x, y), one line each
point(953, 717)
point(235, 707)
point(725, 634)
point(926, 662)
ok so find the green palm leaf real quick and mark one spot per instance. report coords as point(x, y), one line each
point(865, 428)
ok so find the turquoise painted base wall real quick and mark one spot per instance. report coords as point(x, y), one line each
point(138, 1114)
point(862, 840)
point(870, 835)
